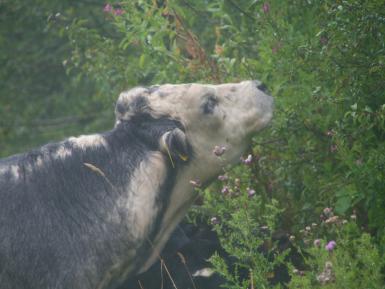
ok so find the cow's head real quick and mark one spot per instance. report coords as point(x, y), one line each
point(186, 122)
point(209, 115)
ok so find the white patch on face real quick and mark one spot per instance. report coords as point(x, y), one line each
point(240, 109)
point(140, 198)
point(61, 153)
point(15, 171)
point(39, 162)
point(3, 169)
point(84, 141)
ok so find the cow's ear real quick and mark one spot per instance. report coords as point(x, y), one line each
point(175, 145)
point(132, 102)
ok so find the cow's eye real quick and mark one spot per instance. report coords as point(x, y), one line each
point(209, 104)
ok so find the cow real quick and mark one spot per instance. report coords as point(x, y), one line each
point(91, 211)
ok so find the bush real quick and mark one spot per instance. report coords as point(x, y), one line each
point(323, 61)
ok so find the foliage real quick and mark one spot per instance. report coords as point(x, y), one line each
point(323, 61)
point(354, 262)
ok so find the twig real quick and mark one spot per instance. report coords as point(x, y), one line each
point(140, 284)
point(162, 263)
point(241, 10)
point(99, 172)
point(182, 258)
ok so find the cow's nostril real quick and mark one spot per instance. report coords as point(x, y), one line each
point(262, 87)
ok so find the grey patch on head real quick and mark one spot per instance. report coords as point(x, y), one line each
point(153, 88)
point(163, 94)
point(131, 102)
point(210, 103)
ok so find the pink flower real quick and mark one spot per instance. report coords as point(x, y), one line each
point(118, 12)
point(219, 150)
point(328, 211)
point(317, 242)
point(225, 190)
point(108, 8)
point(330, 246)
point(266, 7)
point(248, 160)
point(276, 47)
point(223, 178)
point(250, 192)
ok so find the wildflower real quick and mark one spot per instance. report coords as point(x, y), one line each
point(277, 46)
point(344, 222)
point(214, 221)
point(330, 133)
point(333, 148)
point(332, 220)
point(327, 274)
point(223, 178)
point(266, 7)
point(219, 150)
point(225, 190)
point(196, 183)
point(330, 246)
point(308, 228)
point(298, 272)
point(248, 160)
point(353, 217)
point(250, 192)
point(118, 12)
point(327, 211)
point(292, 238)
point(108, 8)
point(314, 225)
point(323, 40)
point(317, 242)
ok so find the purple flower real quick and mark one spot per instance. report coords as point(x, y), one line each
point(317, 242)
point(328, 211)
point(250, 192)
point(330, 246)
point(219, 150)
point(118, 12)
point(223, 178)
point(248, 160)
point(266, 7)
point(108, 8)
point(225, 190)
